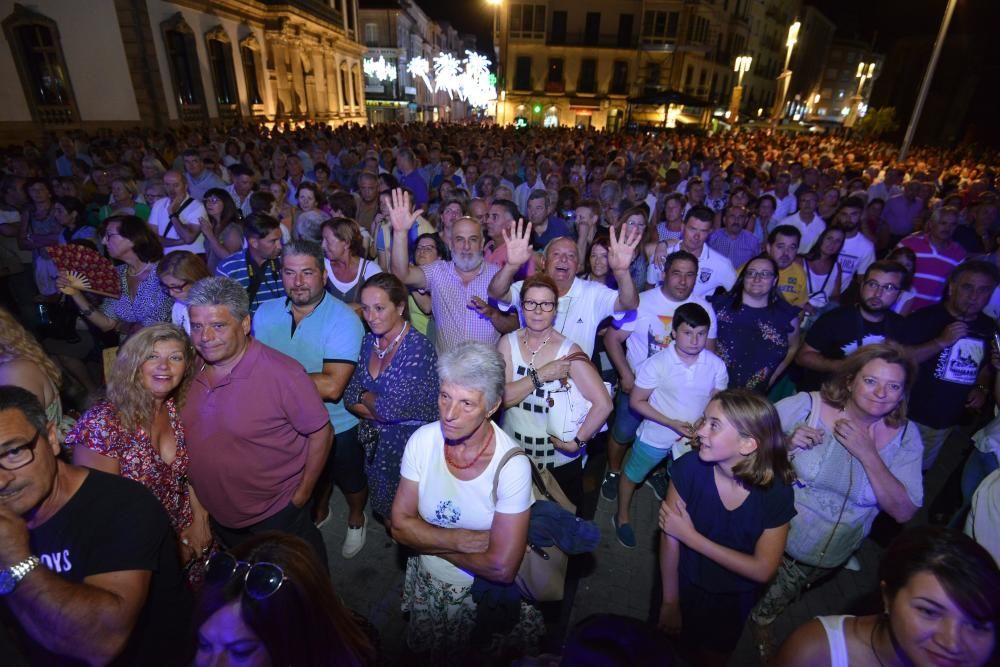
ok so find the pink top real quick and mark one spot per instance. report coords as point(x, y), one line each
point(247, 435)
point(932, 269)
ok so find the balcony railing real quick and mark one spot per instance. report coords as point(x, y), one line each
point(583, 40)
point(555, 86)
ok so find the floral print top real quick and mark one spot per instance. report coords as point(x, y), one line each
point(752, 341)
point(151, 304)
point(101, 431)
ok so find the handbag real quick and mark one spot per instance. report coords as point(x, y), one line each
point(568, 408)
point(542, 574)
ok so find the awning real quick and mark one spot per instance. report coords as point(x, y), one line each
point(669, 97)
point(584, 103)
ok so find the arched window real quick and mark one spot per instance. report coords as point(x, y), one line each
point(343, 86)
point(220, 58)
point(178, 38)
point(250, 55)
point(37, 51)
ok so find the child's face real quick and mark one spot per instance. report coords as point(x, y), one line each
point(690, 340)
point(718, 439)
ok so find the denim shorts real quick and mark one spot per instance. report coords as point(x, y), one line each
point(626, 421)
point(642, 459)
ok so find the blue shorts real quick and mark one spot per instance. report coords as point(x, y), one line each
point(626, 421)
point(642, 459)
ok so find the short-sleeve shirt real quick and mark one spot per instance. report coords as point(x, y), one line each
point(714, 271)
point(581, 310)
point(159, 217)
point(247, 435)
point(810, 230)
point(679, 392)
point(944, 381)
point(739, 250)
point(651, 324)
point(112, 524)
point(839, 332)
point(456, 321)
point(792, 284)
point(855, 257)
point(448, 502)
point(738, 529)
point(932, 268)
point(753, 341)
point(330, 334)
point(239, 267)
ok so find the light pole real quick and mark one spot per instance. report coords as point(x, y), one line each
point(496, 51)
point(741, 67)
point(866, 71)
point(785, 78)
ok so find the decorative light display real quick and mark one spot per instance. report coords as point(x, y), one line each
point(379, 69)
point(468, 79)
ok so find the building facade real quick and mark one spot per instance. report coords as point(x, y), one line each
point(841, 89)
point(112, 63)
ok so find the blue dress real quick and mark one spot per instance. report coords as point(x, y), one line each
point(407, 393)
point(752, 341)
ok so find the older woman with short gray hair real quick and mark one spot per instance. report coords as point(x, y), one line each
point(446, 511)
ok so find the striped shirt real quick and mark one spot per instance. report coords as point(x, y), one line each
point(455, 319)
point(739, 250)
point(238, 267)
point(932, 269)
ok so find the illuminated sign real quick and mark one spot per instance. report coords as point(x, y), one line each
point(379, 69)
point(467, 79)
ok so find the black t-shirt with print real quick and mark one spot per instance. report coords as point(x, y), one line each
point(839, 332)
point(113, 524)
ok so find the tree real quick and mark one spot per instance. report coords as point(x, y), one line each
point(877, 122)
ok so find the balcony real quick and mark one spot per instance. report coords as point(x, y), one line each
point(582, 40)
point(555, 87)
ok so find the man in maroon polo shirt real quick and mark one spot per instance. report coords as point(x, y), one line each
point(257, 432)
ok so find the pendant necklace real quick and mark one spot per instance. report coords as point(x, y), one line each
point(380, 352)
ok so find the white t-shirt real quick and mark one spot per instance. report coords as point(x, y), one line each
point(714, 271)
point(855, 257)
point(370, 269)
point(179, 316)
point(784, 206)
point(810, 232)
point(580, 310)
point(159, 217)
point(651, 325)
point(679, 392)
point(448, 502)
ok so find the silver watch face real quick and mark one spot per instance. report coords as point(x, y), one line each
point(7, 582)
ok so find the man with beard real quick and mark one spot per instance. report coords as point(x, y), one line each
point(783, 247)
point(952, 345)
point(458, 287)
point(257, 267)
point(841, 331)
point(583, 304)
point(324, 335)
point(858, 252)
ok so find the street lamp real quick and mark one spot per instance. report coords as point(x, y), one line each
point(865, 72)
point(496, 52)
point(785, 78)
point(741, 67)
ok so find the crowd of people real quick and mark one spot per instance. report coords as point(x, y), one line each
point(777, 334)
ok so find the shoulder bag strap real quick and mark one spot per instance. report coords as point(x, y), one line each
point(511, 453)
point(170, 221)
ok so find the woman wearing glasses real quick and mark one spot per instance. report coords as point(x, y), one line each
point(178, 272)
point(137, 432)
point(221, 227)
point(270, 602)
point(536, 362)
point(758, 329)
point(637, 218)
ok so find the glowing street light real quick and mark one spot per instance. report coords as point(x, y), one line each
point(866, 71)
point(785, 78)
point(741, 67)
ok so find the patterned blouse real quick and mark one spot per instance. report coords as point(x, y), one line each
point(100, 430)
point(151, 304)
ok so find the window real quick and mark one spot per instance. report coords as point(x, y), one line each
point(653, 75)
point(659, 27)
point(250, 61)
point(522, 73)
point(344, 102)
point(619, 78)
point(592, 31)
point(698, 30)
point(558, 34)
point(527, 21)
point(588, 76)
point(178, 38)
point(625, 23)
point(555, 75)
point(35, 44)
point(371, 34)
point(220, 58)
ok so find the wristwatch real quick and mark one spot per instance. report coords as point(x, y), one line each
point(580, 443)
point(12, 576)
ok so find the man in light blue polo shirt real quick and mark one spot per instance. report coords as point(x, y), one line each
point(324, 335)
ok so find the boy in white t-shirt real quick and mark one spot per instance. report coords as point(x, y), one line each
point(671, 391)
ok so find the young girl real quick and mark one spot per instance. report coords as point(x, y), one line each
point(725, 521)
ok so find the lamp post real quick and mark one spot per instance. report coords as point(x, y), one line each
point(741, 67)
point(925, 86)
point(785, 78)
point(866, 71)
point(496, 52)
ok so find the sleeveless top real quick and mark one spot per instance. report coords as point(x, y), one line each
point(834, 628)
point(353, 293)
point(525, 422)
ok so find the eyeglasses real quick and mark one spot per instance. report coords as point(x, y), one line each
point(426, 248)
point(759, 275)
point(20, 455)
point(175, 288)
point(546, 306)
point(260, 580)
point(108, 235)
point(887, 287)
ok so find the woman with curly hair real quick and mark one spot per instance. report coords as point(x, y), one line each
point(23, 363)
point(137, 431)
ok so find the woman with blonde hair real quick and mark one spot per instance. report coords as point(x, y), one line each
point(178, 272)
point(23, 363)
point(124, 201)
point(137, 431)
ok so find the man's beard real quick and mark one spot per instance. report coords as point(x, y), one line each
point(468, 263)
point(867, 308)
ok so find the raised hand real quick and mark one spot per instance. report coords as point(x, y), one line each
point(621, 248)
point(517, 237)
point(400, 214)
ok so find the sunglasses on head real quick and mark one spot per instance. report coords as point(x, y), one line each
point(260, 580)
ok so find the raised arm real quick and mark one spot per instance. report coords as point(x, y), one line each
point(517, 238)
point(401, 216)
point(621, 250)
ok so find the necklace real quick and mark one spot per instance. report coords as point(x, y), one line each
point(535, 352)
point(466, 466)
point(141, 271)
point(380, 352)
point(871, 643)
